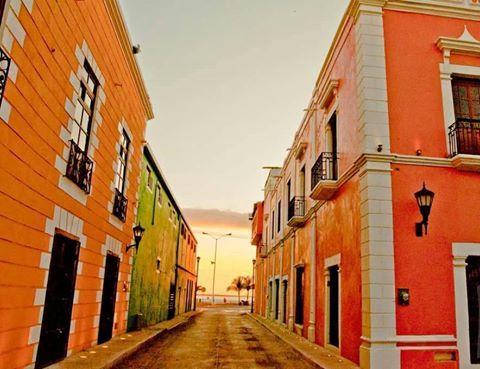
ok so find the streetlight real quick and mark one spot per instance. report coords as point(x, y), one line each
point(214, 262)
point(253, 285)
point(196, 286)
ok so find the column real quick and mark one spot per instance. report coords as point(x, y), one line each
point(291, 283)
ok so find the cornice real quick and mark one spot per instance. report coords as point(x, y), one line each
point(120, 27)
point(443, 9)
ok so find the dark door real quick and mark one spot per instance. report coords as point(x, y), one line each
point(58, 302)
point(109, 295)
point(277, 295)
point(473, 290)
point(333, 337)
point(299, 295)
point(284, 307)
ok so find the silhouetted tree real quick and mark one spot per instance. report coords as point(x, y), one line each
point(238, 284)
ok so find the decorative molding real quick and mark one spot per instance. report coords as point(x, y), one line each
point(331, 90)
point(120, 26)
point(446, 8)
point(466, 44)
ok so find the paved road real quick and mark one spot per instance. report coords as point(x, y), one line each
point(220, 337)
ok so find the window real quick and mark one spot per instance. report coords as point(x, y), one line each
point(82, 122)
point(273, 224)
point(302, 182)
point(300, 282)
point(159, 264)
point(464, 133)
point(120, 177)
point(279, 216)
point(159, 195)
point(149, 178)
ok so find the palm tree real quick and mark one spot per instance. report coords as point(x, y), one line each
point(248, 285)
point(237, 285)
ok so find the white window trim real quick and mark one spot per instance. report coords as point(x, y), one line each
point(330, 262)
point(460, 253)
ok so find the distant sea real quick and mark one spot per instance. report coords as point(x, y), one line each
point(227, 299)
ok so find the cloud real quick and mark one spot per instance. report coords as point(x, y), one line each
point(216, 218)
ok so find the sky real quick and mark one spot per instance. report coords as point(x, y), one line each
point(228, 80)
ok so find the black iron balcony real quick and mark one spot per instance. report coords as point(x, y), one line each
point(296, 211)
point(325, 169)
point(5, 62)
point(464, 137)
point(324, 176)
point(120, 204)
point(79, 167)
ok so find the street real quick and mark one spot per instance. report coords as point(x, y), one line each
point(221, 337)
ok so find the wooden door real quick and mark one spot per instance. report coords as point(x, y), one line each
point(109, 295)
point(58, 302)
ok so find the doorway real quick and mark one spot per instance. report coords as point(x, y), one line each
point(57, 312)
point(284, 307)
point(277, 295)
point(109, 295)
point(333, 306)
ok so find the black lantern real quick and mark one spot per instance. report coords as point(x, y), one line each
point(424, 200)
point(138, 232)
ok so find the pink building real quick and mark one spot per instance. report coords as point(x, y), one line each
point(343, 256)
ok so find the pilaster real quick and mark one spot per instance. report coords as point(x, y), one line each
point(291, 320)
point(313, 279)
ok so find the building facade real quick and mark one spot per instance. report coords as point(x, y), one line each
point(163, 273)
point(72, 119)
point(341, 259)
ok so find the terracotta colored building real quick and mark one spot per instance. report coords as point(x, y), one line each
point(341, 259)
point(72, 122)
point(164, 269)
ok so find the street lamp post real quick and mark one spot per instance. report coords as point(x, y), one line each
point(253, 285)
point(214, 262)
point(196, 286)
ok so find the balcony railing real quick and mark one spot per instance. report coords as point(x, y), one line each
point(79, 167)
point(120, 204)
point(5, 62)
point(464, 137)
point(296, 208)
point(325, 169)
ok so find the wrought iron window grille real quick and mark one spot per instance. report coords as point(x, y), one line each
point(464, 137)
point(325, 168)
point(5, 62)
point(79, 168)
point(120, 204)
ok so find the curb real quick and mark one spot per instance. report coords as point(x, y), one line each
point(319, 356)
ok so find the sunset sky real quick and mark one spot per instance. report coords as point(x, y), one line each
point(228, 80)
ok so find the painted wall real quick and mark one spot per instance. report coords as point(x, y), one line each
point(150, 289)
point(48, 43)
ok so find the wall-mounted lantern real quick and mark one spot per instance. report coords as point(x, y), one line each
point(424, 200)
point(138, 232)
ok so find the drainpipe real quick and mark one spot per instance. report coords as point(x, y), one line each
point(313, 280)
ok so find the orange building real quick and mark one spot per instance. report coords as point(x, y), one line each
point(73, 118)
point(344, 258)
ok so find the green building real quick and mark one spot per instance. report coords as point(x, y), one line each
point(154, 291)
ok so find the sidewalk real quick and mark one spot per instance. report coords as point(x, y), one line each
point(119, 348)
point(323, 358)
